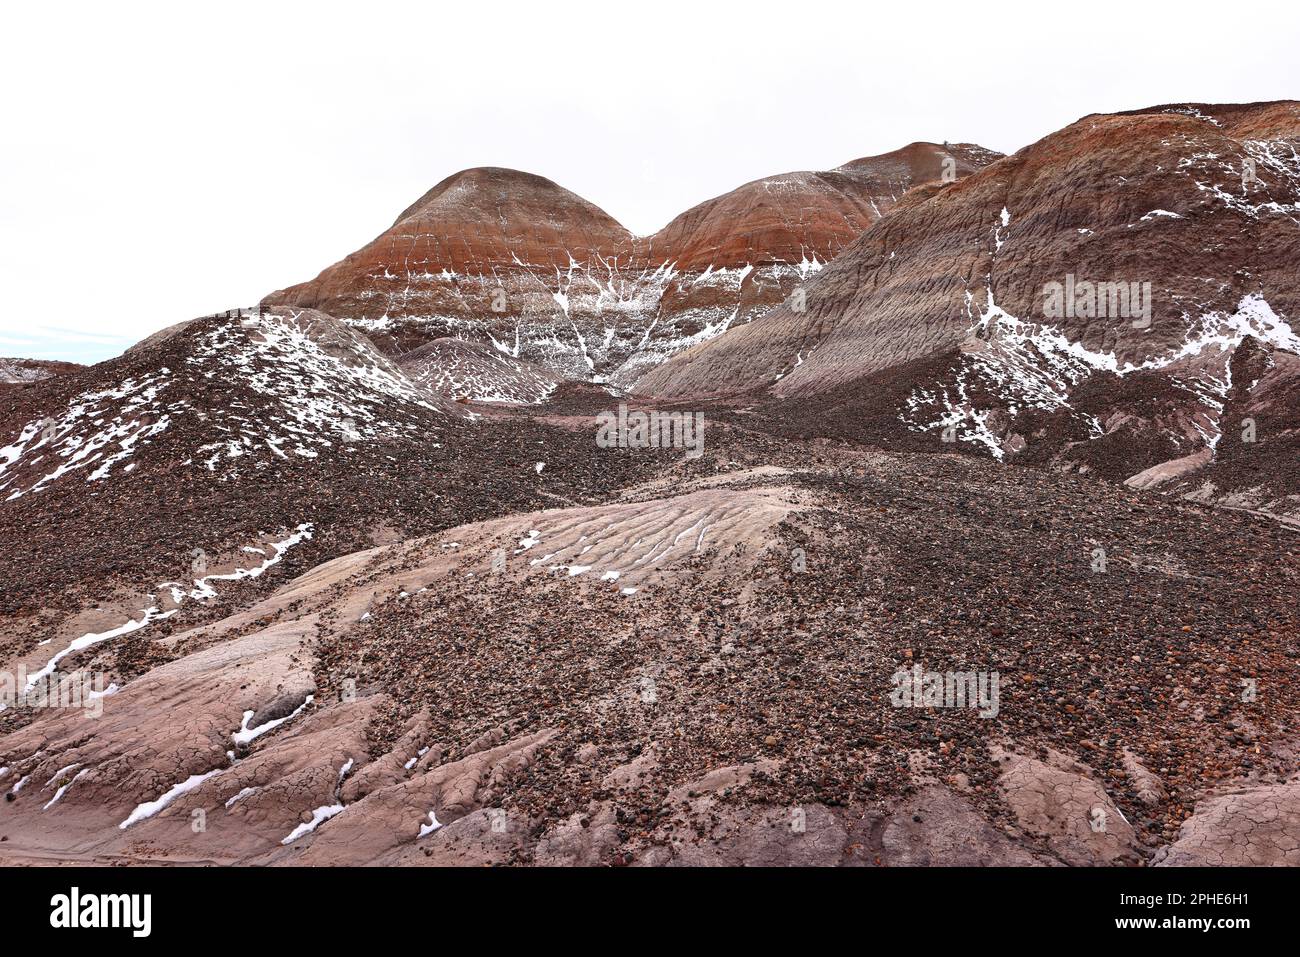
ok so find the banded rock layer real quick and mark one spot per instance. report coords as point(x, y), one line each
point(494, 256)
point(1084, 304)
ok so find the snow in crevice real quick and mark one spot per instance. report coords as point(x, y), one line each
point(318, 817)
point(149, 616)
point(245, 792)
point(1004, 220)
point(322, 814)
point(1193, 112)
point(808, 266)
point(202, 590)
point(203, 586)
point(63, 788)
point(148, 809)
point(245, 734)
point(1212, 330)
point(418, 754)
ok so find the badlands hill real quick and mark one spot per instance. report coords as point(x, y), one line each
point(343, 618)
point(940, 318)
point(511, 260)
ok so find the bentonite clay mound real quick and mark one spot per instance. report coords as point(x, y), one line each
point(701, 672)
point(515, 262)
point(1195, 207)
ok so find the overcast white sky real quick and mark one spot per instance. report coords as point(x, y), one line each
point(163, 161)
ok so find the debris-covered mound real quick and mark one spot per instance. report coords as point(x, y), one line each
point(476, 372)
point(237, 445)
point(257, 387)
point(733, 666)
